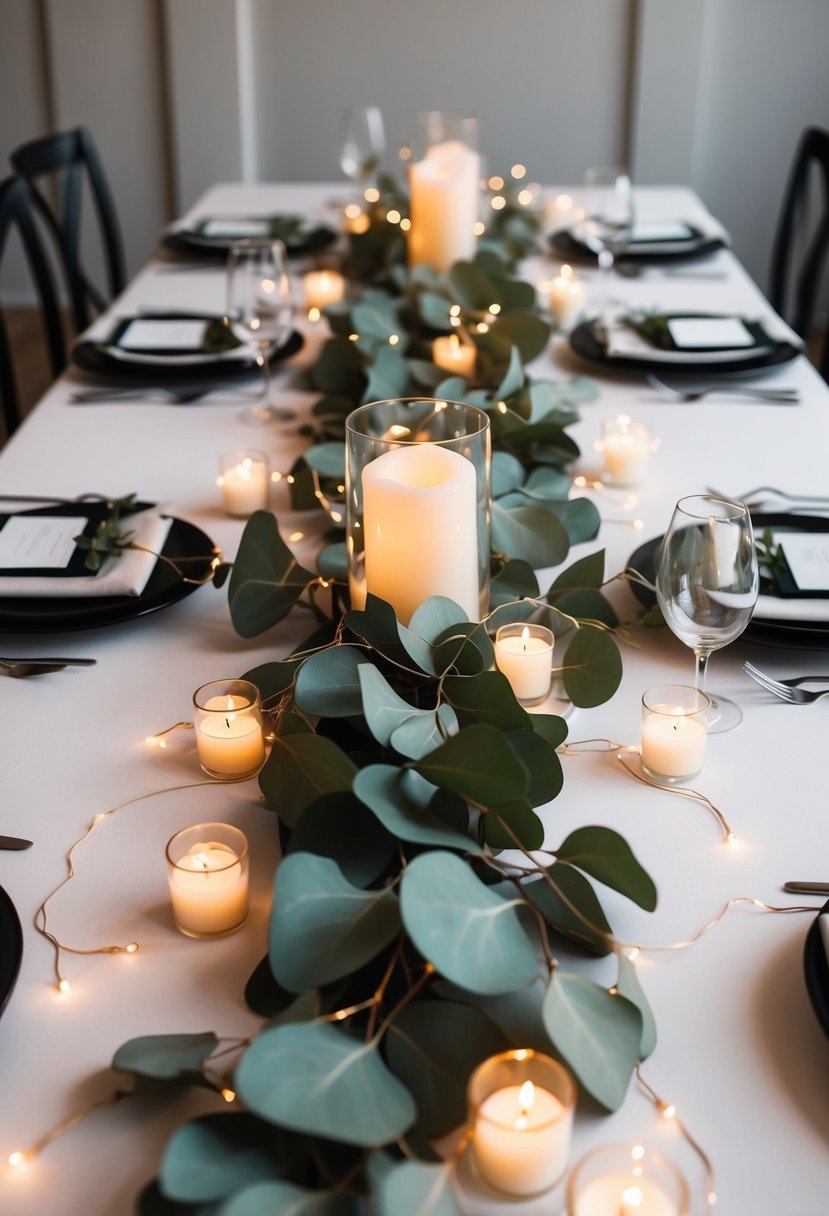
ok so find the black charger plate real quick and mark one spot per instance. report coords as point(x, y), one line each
point(585, 343)
point(791, 635)
point(30, 614)
point(697, 246)
point(11, 947)
point(816, 971)
point(189, 244)
point(96, 358)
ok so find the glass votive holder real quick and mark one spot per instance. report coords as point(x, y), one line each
point(626, 1180)
point(627, 446)
point(521, 1107)
point(229, 734)
point(207, 869)
point(244, 480)
point(524, 653)
point(322, 287)
point(674, 732)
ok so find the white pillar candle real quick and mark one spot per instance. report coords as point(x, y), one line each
point(521, 1139)
point(525, 656)
point(566, 300)
point(443, 205)
point(208, 889)
point(420, 528)
point(229, 738)
point(454, 356)
point(673, 742)
point(244, 482)
point(627, 449)
point(323, 287)
point(624, 1195)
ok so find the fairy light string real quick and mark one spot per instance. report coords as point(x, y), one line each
point(668, 1111)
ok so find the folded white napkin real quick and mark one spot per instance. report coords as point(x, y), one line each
point(773, 608)
point(127, 574)
point(660, 227)
point(623, 342)
point(101, 329)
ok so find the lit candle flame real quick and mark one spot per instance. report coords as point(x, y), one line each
point(525, 637)
point(526, 1100)
point(631, 1200)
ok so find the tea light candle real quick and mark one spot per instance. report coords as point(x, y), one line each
point(623, 1195)
point(323, 287)
point(244, 482)
point(229, 734)
point(454, 356)
point(674, 732)
point(567, 298)
point(209, 880)
point(420, 528)
point(524, 653)
point(443, 205)
point(521, 1139)
point(627, 448)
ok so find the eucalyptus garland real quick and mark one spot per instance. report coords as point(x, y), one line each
point(405, 945)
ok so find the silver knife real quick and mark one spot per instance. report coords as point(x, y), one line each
point(807, 888)
point(14, 842)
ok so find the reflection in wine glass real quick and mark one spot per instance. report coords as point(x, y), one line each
point(362, 143)
point(707, 582)
point(260, 309)
point(608, 219)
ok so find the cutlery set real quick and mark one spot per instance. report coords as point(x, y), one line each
point(692, 388)
point(789, 690)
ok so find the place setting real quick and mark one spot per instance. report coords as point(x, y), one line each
point(213, 236)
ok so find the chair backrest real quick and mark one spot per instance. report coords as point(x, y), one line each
point(70, 154)
point(796, 281)
point(17, 211)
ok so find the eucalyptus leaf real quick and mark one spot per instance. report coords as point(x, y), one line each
point(400, 801)
point(528, 334)
point(543, 765)
point(479, 765)
point(273, 679)
point(580, 517)
point(550, 727)
point(585, 605)
point(388, 376)
point(151, 1202)
point(287, 1199)
point(434, 309)
point(300, 768)
point(327, 459)
point(414, 1188)
point(451, 389)
point(384, 710)
point(417, 649)
point(339, 369)
point(341, 827)
point(426, 373)
point(322, 927)
point(597, 1034)
point(532, 534)
point(569, 904)
point(628, 986)
point(319, 1079)
point(513, 377)
point(431, 619)
point(332, 563)
point(266, 580)
point(423, 731)
point(165, 1056)
point(263, 995)
point(471, 288)
point(487, 697)
point(514, 580)
point(606, 855)
point(471, 935)
point(507, 473)
point(214, 1156)
point(513, 823)
point(328, 683)
point(586, 572)
point(461, 651)
point(377, 625)
point(550, 484)
point(592, 667)
point(376, 318)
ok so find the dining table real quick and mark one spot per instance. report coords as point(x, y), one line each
point(742, 1060)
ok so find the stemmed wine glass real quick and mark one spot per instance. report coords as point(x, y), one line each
point(608, 219)
point(707, 582)
point(260, 308)
point(362, 143)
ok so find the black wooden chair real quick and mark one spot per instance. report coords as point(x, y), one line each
point(71, 155)
point(802, 241)
point(16, 212)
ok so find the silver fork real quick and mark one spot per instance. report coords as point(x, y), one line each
point(781, 394)
point(788, 690)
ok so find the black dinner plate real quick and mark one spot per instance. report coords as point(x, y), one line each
point(816, 971)
point(789, 634)
point(97, 359)
point(189, 243)
point(11, 947)
point(32, 614)
point(697, 246)
point(585, 343)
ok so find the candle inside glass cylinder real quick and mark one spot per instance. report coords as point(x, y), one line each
point(521, 1139)
point(622, 1195)
point(323, 287)
point(229, 734)
point(567, 299)
point(454, 356)
point(443, 205)
point(524, 653)
point(420, 528)
point(674, 732)
point(208, 879)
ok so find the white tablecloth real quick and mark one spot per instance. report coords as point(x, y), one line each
point(740, 1052)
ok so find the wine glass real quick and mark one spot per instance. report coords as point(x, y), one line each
point(707, 582)
point(260, 309)
point(608, 219)
point(362, 143)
